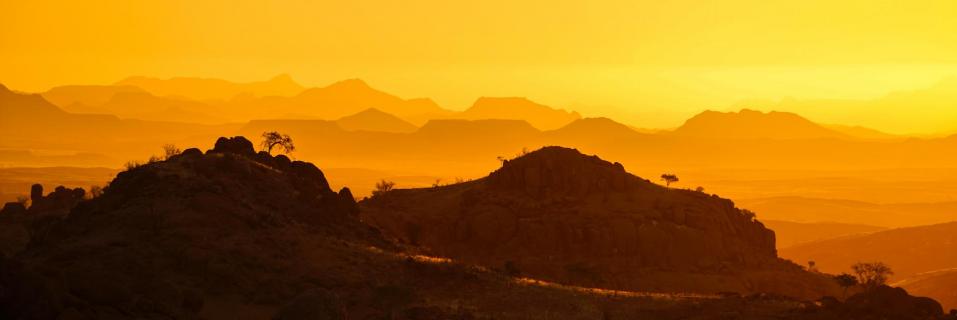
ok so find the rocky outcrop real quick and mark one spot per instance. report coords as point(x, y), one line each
point(561, 215)
point(165, 236)
point(19, 223)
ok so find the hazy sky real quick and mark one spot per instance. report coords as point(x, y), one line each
point(651, 63)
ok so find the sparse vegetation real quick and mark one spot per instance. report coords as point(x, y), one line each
point(872, 274)
point(669, 178)
point(23, 200)
point(132, 164)
point(749, 214)
point(699, 189)
point(96, 192)
point(811, 266)
point(170, 150)
point(154, 159)
point(383, 187)
point(272, 139)
point(845, 280)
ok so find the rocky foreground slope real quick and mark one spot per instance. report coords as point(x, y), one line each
point(231, 233)
point(560, 215)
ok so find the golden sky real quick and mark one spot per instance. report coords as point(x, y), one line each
point(651, 63)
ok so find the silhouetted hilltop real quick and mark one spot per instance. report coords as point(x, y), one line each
point(373, 119)
point(515, 108)
point(750, 124)
point(214, 89)
point(558, 214)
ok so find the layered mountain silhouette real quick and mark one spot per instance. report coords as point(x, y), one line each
point(750, 124)
point(31, 122)
point(515, 108)
point(89, 95)
point(204, 89)
point(558, 214)
point(373, 119)
point(929, 109)
point(815, 210)
point(795, 233)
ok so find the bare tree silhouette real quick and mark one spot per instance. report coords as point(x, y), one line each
point(872, 274)
point(272, 139)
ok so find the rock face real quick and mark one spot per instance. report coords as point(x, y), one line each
point(561, 215)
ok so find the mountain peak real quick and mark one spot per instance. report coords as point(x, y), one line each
point(519, 108)
point(753, 124)
point(353, 84)
point(373, 119)
point(556, 171)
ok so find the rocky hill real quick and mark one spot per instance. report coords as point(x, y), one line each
point(231, 233)
point(560, 215)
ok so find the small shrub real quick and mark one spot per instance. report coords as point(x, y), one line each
point(749, 214)
point(96, 192)
point(23, 200)
point(170, 150)
point(132, 164)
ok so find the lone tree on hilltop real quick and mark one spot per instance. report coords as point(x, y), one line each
point(669, 178)
point(845, 280)
point(872, 274)
point(272, 139)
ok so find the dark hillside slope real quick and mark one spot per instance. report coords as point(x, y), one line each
point(561, 215)
point(234, 234)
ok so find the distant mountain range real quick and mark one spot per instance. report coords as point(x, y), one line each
point(750, 124)
point(472, 145)
point(204, 89)
point(931, 109)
